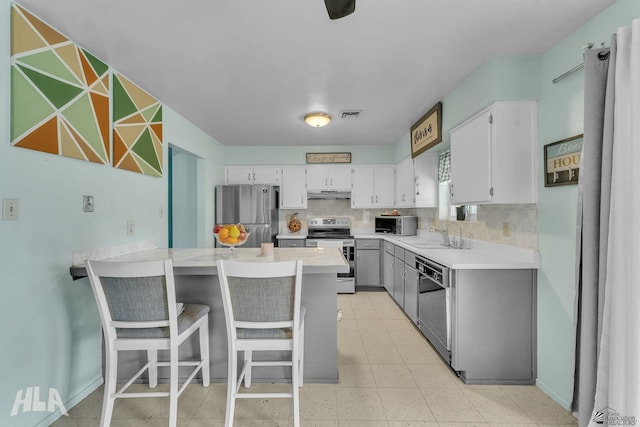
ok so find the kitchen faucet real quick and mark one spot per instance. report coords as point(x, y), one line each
point(457, 245)
point(445, 235)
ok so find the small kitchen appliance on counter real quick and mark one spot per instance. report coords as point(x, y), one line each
point(335, 232)
point(401, 225)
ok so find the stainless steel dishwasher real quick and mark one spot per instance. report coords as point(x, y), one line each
point(434, 305)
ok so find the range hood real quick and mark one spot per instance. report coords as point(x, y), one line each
point(328, 195)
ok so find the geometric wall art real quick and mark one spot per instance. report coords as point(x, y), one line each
point(59, 93)
point(137, 128)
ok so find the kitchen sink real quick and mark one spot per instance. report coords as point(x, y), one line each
point(429, 245)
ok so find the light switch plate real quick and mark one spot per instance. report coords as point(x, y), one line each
point(10, 209)
point(87, 203)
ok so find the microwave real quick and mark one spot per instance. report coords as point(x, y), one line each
point(397, 224)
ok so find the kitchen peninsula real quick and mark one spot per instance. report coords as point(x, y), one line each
point(197, 282)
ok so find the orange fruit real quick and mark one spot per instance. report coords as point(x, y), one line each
point(223, 234)
point(232, 240)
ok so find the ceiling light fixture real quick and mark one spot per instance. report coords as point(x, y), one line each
point(317, 120)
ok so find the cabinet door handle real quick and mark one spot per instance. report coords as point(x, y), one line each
point(371, 199)
point(376, 199)
point(326, 182)
point(254, 176)
point(332, 182)
point(249, 177)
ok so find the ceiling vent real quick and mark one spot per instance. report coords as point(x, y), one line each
point(350, 114)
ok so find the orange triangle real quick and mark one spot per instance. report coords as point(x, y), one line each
point(90, 75)
point(157, 129)
point(23, 37)
point(119, 149)
point(128, 163)
point(44, 138)
point(68, 146)
point(101, 109)
point(48, 33)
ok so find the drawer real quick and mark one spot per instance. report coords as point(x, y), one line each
point(367, 244)
point(398, 252)
point(388, 247)
point(410, 258)
point(291, 243)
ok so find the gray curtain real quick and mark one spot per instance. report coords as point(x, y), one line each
point(594, 189)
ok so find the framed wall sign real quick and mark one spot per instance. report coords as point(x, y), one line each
point(562, 161)
point(328, 158)
point(427, 131)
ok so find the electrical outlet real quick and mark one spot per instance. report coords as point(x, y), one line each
point(131, 228)
point(87, 203)
point(505, 229)
point(10, 209)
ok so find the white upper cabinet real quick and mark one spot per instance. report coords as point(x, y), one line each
point(493, 157)
point(404, 191)
point(372, 186)
point(252, 175)
point(426, 180)
point(323, 177)
point(293, 189)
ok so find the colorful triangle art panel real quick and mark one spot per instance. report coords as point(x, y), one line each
point(133, 127)
point(56, 74)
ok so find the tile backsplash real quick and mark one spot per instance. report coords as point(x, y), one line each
point(515, 225)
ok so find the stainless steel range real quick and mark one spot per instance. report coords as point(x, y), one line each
point(335, 232)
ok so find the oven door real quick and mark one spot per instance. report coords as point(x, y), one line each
point(434, 314)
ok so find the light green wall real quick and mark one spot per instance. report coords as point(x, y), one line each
point(560, 115)
point(287, 155)
point(50, 330)
point(499, 79)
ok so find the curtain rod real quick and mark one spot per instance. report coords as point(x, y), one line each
point(574, 69)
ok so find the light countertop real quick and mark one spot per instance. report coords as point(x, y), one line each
point(481, 256)
point(203, 261)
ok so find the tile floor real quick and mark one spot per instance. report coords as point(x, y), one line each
point(389, 376)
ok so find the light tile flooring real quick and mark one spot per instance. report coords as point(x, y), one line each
point(389, 376)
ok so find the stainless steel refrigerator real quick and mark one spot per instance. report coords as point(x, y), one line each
point(255, 206)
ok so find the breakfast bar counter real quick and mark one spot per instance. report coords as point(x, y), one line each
point(197, 282)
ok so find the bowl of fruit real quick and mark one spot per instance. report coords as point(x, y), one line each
point(231, 235)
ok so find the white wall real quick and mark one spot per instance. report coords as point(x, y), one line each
point(49, 329)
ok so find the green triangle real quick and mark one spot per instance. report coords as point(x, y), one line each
point(80, 115)
point(123, 106)
point(146, 169)
point(158, 117)
point(50, 63)
point(148, 113)
point(144, 148)
point(98, 66)
point(59, 93)
point(28, 107)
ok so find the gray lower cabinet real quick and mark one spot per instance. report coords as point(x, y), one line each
point(398, 276)
point(410, 287)
point(368, 262)
point(291, 243)
point(387, 269)
point(494, 326)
